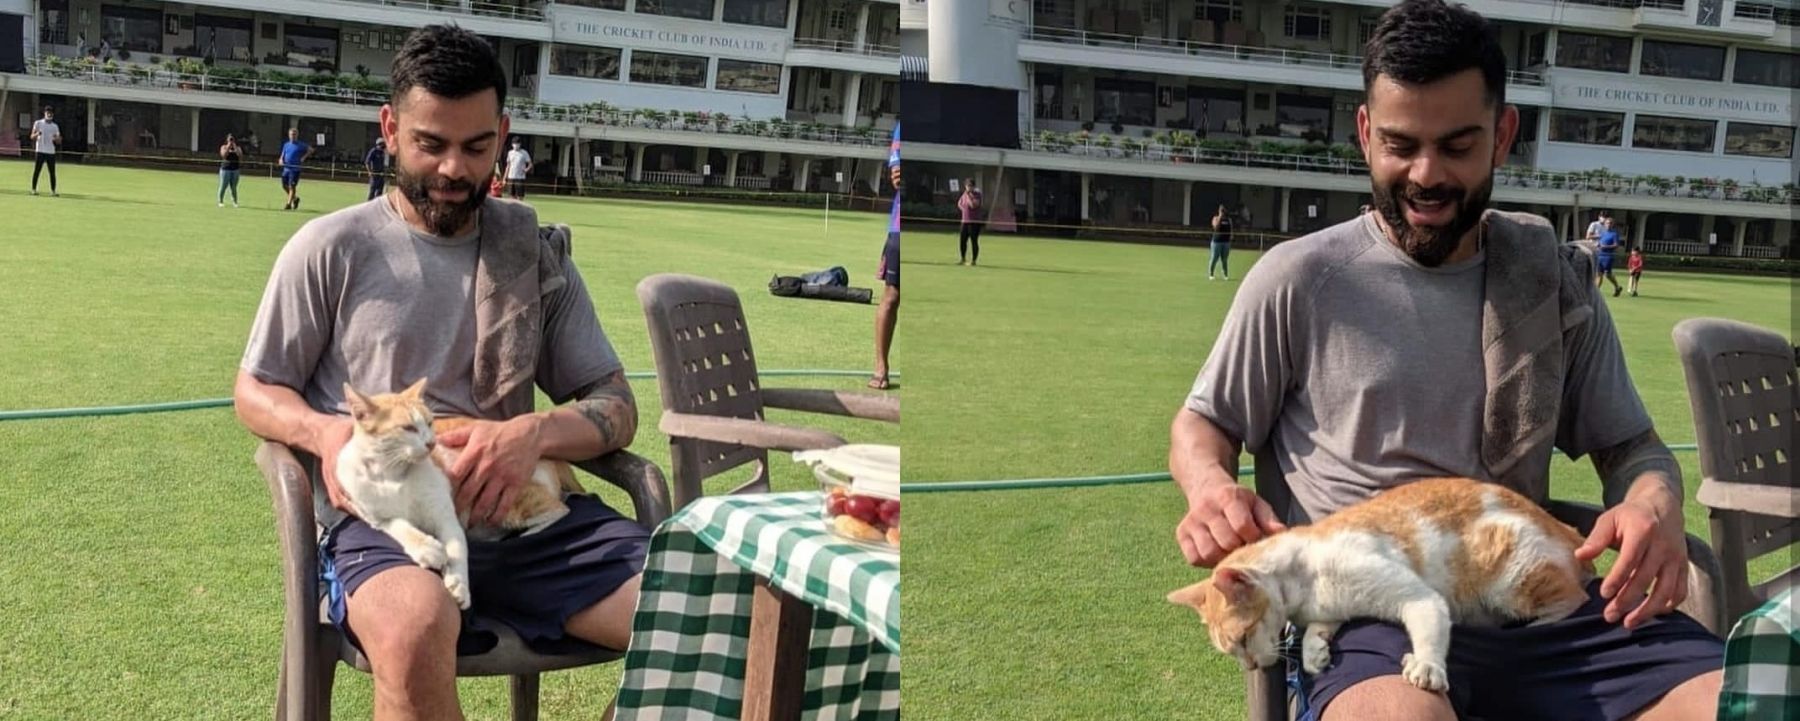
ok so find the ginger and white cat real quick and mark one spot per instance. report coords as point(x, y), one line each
point(1424, 555)
point(394, 475)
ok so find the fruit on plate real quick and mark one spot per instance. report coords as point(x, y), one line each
point(865, 508)
point(853, 527)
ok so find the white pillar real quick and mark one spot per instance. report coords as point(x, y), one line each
point(1086, 190)
point(771, 161)
point(1707, 229)
point(637, 163)
point(1286, 194)
point(93, 111)
point(862, 26)
point(1640, 227)
point(731, 158)
point(1737, 239)
point(194, 130)
point(801, 172)
point(700, 157)
point(1187, 203)
point(853, 94)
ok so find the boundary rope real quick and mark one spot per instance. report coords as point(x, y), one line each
point(94, 411)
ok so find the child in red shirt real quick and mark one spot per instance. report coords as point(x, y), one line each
point(1635, 266)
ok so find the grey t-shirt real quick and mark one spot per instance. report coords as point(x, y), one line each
point(1364, 369)
point(360, 296)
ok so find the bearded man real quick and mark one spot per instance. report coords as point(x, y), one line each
point(1436, 337)
point(435, 280)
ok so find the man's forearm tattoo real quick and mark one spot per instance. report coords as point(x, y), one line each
point(1619, 466)
point(611, 407)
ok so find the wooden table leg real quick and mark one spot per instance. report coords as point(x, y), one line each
point(775, 667)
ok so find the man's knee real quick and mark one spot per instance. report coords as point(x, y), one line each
point(1696, 698)
point(403, 616)
point(1388, 697)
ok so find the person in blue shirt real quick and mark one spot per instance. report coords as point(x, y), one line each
point(376, 164)
point(1608, 244)
point(293, 153)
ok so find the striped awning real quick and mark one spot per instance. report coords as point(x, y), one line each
point(915, 67)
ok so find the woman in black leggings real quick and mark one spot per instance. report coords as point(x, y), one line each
point(970, 204)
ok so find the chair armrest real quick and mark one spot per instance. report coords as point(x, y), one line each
point(1706, 581)
point(290, 489)
point(639, 478)
point(746, 432)
point(867, 406)
point(1265, 694)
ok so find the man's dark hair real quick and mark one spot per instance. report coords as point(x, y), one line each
point(1422, 41)
point(49, 109)
point(447, 61)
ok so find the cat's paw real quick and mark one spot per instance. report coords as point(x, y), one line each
point(1315, 654)
point(1428, 675)
point(458, 586)
point(429, 553)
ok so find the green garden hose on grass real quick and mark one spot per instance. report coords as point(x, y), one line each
point(47, 413)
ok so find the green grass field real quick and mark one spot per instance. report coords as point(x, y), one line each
point(1063, 358)
point(140, 578)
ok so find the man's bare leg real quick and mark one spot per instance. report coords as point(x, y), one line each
point(408, 624)
point(608, 623)
point(1388, 697)
point(1696, 699)
point(887, 315)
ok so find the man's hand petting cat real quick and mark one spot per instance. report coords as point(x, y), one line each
point(1652, 547)
point(329, 444)
point(1222, 518)
point(496, 460)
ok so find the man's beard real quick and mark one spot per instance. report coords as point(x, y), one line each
point(1430, 245)
point(444, 218)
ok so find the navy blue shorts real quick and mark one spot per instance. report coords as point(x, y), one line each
point(1578, 668)
point(1606, 260)
point(290, 177)
point(890, 261)
point(533, 584)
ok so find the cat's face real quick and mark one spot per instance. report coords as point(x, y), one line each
point(1238, 614)
point(397, 426)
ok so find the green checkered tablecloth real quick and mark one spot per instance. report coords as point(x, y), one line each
point(1762, 665)
point(691, 632)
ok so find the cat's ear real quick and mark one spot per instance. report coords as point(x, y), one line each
point(360, 405)
point(415, 391)
point(1233, 583)
point(1193, 595)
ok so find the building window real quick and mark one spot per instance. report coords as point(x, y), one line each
point(1049, 83)
point(688, 71)
point(601, 4)
point(1664, 133)
point(767, 13)
point(837, 19)
point(747, 77)
point(310, 47)
point(1593, 52)
point(691, 9)
point(1216, 110)
point(53, 29)
point(1587, 126)
point(135, 29)
point(1300, 116)
point(1681, 60)
point(222, 37)
point(1762, 141)
point(1365, 29)
point(1127, 102)
point(585, 62)
point(1219, 11)
point(1756, 67)
point(1304, 22)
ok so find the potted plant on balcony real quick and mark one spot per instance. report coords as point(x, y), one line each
point(1132, 146)
point(721, 121)
point(1104, 143)
point(1118, 128)
point(1730, 185)
point(1792, 192)
point(1700, 187)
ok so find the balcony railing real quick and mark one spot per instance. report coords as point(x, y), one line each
point(1220, 51)
point(522, 109)
point(1599, 181)
point(131, 74)
point(1696, 247)
point(533, 13)
point(845, 46)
